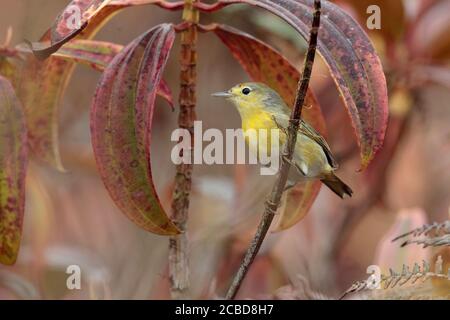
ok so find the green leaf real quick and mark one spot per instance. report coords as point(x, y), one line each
point(121, 120)
point(13, 163)
point(265, 64)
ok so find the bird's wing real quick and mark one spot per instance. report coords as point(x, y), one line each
point(311, 133)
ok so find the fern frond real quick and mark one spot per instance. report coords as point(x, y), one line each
point(435, 235)
point(398, 279)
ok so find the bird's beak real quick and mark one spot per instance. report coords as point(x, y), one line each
point(224, 94)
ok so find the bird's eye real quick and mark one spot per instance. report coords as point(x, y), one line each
point(246, 91)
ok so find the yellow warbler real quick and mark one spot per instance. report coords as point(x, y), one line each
point(262, 108)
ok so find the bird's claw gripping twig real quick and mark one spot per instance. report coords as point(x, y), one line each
point(272, 206)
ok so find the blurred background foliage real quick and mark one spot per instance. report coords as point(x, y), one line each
point(70, 219)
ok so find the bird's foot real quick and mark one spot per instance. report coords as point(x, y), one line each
point(272, 207)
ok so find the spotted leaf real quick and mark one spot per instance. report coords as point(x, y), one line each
point(121, 120)
point(13, 162)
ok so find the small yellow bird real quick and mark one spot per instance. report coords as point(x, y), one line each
point(262, 108)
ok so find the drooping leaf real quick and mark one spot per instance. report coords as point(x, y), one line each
point(265, 64)
point(43, 84)
point(121, 119)
point(97, 55)
point(41, 87)
point(67, 25)
point(82, 16)
point(299, 201)
point(13, 162)
point(8, 69)
point(351, 59)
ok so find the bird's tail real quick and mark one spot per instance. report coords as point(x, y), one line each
point(337, 186)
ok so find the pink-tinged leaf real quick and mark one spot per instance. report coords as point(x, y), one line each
point(98, 55)
point(299, 201)
point(13, 163)
point(165, 92)
point(265, 64)
point(434, 74)
point(95, 54)
point(392, 11)
point(351, 59)
point(68, 24)
point(121, 120)
point(41, 87)
point(8, 69)
point(92, 14)
point(429, 38)
point(113, 7)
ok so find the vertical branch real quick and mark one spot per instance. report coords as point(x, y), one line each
point(178, 246)
point(273, 202)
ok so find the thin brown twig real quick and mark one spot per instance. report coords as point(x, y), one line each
point(273, 202)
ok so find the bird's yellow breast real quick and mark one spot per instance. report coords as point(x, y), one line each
point(254, 116)
point(257, 121)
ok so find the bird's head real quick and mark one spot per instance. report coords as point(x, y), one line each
point(252, 95)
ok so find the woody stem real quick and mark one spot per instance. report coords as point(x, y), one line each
point(178, 246)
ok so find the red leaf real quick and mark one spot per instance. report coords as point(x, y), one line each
point(13, 162)
point(351, 58)
point(121, 118)
point(68, 24)
point(93, 14)
point(265, 64)
point(97, 55)
point(42, 86)
point(393, 16)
